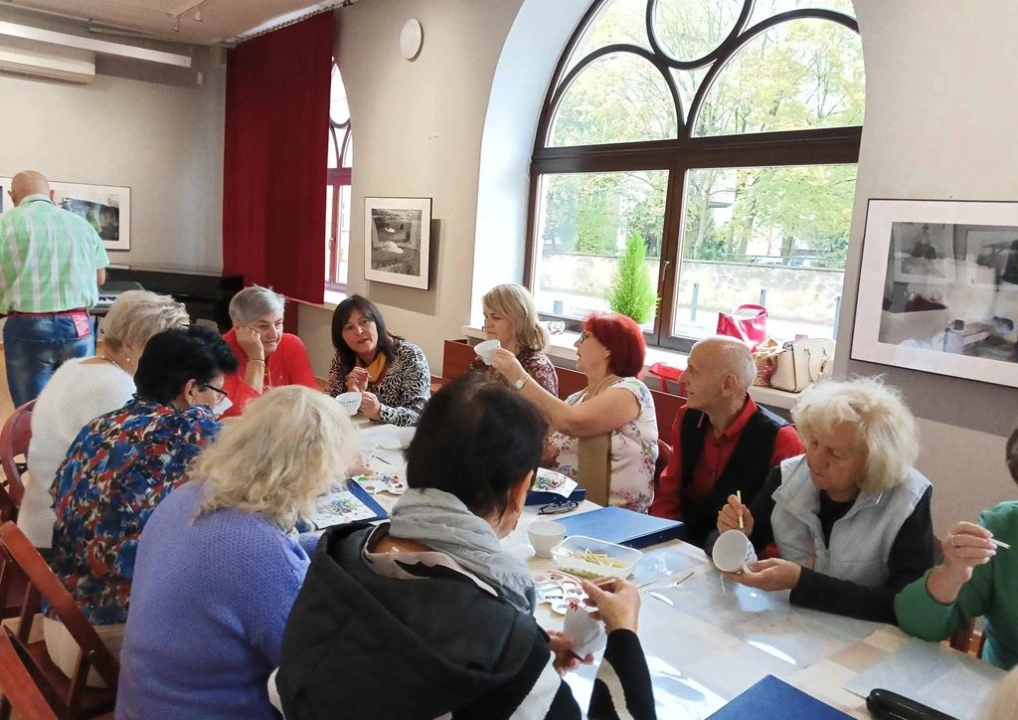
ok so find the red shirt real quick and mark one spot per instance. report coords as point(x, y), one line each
point(717, 450)
point(288, 364)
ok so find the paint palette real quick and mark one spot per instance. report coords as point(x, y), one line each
point(557, 589)
point(392, 484)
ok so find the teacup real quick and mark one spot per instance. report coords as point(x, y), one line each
point(486, 350)
point(544, 536)
point(350, 401)
point(733, 551)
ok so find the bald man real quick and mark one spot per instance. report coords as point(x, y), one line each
point(722, 441)
point(52, 263)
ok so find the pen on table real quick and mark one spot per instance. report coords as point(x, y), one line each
point(738, 496)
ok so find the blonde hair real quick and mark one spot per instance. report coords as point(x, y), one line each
point(255, 302)
point(1004, 705)
point(514, 303)
point(136, 315)
point(278, 456)
point(885, 428)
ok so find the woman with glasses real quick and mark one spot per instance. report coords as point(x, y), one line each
point(118, 469)
point(605, 436)
point(266, 356)
point(391, 373)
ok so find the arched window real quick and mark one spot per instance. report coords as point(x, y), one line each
point(337, 213)
point(722, 133)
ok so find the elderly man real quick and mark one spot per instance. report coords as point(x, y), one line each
point(723, 442)
point(51, 264)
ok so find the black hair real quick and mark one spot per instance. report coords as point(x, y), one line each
point(177, 355)
point(476, 439)
point(347, 357)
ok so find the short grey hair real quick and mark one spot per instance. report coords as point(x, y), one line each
point(277, 457)
point(137, 315)
point(735, 358)
point(885, 427)
point(255, 302)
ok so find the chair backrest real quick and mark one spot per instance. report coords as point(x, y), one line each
point(17, 685)
point(14, 439)
point(43, 583)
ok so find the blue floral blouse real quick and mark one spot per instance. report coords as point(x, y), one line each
point(121, 465)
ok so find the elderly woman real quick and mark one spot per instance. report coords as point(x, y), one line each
point(391, 373)
point(973, 580)
point(511, 318)
point(121, 465)
point(219, 563)
point(82, 390)
point(427, 616)
point(851, 517)
point(605, 436)
point(266, 356)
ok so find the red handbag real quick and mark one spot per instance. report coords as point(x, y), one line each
point(752, 330)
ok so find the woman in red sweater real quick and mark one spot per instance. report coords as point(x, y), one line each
point(267, 356)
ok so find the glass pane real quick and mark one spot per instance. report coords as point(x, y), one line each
point(339, 110)
point(797, 75)
point(690, 29)
point(328, 232)
point(764, 9)
point(344, 235)
point(618, 98)
point(618, 22)
point(584, 221)
point(773, 236)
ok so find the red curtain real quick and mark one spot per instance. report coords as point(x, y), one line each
point(274, 176)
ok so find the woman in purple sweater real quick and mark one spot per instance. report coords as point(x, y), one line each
point(219, 563)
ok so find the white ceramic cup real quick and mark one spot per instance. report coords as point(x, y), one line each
point(733, 551)
point(545, 535)
point(486, 350)
point(351, 402)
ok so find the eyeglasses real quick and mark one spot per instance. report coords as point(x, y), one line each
point(558, 507)
point(220, 393)
point(583, 336)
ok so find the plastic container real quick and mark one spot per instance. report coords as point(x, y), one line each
point(591, 558)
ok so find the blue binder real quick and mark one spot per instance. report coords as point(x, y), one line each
point(622, 527)
point(773, 699)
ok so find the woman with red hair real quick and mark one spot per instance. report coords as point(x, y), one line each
point(605, 436)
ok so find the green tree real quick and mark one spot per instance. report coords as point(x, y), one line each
point(632, 293)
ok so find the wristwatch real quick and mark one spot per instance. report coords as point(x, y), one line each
point(521, 382)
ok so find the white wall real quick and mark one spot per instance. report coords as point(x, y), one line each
point(417, 132)
point(941, 98)
point(163, 141)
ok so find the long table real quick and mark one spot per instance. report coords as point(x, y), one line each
point(708, 639)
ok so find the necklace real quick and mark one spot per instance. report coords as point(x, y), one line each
point(108, 359)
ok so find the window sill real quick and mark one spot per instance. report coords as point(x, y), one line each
point(332, 299)
point(561, 348)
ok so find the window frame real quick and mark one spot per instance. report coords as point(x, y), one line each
point(822, 146)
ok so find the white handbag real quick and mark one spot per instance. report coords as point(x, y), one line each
point(802, 363)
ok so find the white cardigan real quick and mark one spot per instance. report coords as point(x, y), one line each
point(75, 395)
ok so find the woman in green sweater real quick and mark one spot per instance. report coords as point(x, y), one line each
point(975, 578)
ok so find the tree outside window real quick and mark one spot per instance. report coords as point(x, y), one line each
point(723, 133)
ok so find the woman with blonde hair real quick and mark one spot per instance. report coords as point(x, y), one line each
point(220, 562)
point(82, 390)
point(851, 517)
point(511, 318)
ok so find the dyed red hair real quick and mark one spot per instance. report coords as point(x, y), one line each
point(624, 340)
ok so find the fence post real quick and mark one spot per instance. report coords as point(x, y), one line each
point(696, 296)
point(763, 297)
point(556, 307)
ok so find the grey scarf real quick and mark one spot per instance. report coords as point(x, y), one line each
point(441, 521)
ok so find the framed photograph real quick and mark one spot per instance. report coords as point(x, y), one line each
point(397, 240)
point(938, 288)
point(106, 207)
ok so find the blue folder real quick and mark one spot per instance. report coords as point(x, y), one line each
point(622, 527)
point(773, 699)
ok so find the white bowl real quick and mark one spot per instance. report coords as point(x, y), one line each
point(351, 402)
point(486, 350)
point(405, 435)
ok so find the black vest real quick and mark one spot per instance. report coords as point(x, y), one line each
point(746, 469)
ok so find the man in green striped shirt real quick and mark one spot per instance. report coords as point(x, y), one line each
point(52, 263)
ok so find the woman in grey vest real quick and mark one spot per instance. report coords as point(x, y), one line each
point(851, 518)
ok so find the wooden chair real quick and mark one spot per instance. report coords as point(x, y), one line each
point(664, 454)
point(14, 439)
point(68, 697)
point(17, 685)
point(969, 640)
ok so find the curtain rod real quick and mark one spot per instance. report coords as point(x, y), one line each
point(278, 24)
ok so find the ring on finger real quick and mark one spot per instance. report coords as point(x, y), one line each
point(954, 542)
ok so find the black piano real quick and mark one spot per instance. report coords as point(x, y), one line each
point(205, 295)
